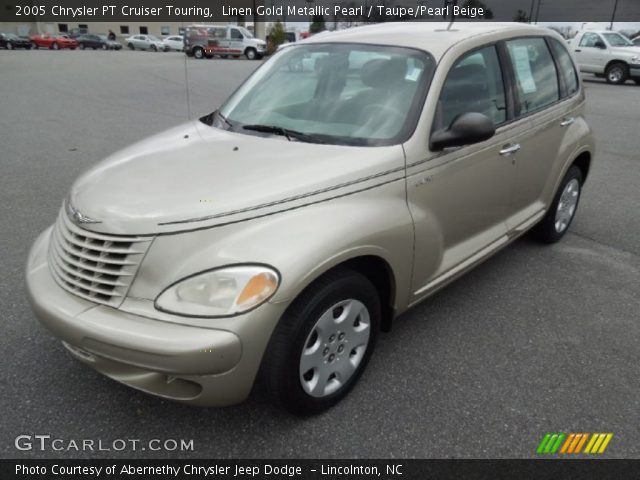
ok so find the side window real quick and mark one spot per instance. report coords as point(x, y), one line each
point(474, 84)
point(589, 40)
point(235, 34)
point(567, 68)
point(536, 76)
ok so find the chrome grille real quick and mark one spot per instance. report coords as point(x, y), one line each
point(94, 266)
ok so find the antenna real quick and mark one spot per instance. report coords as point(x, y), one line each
point(451, 3)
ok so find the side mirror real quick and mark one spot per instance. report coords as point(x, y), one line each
point(466, 129)
point(600, 44)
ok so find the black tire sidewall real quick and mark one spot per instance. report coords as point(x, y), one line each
point(283, 356)
point(546, 231)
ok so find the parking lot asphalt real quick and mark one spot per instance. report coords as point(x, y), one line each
point(537, 339)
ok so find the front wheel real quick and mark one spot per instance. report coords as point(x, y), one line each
point(81, 46)
point(34, 45)
point(9, 46)
point(154, 48)
point(617, 73)
point(323, 343)
point(563, 208)
point(55, 46)
point(251, 54)
point(131, 47)
point(198, 53)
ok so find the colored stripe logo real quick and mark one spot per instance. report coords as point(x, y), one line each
point(568, 443)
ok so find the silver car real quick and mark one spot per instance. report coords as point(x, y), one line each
point(146, 42)
point(269, 242)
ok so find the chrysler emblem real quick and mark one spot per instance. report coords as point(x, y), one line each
point(77, 217)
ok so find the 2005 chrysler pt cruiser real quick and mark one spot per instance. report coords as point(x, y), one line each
point(349, 178)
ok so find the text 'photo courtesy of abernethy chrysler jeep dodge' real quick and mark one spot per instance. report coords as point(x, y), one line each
point(349, 178)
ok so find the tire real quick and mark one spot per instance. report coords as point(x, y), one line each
point(131, 47)
point(94, 48)
point(9, 46)
point(251, 53)
point(55, 46)
point(319, 320)
point(637, 80)
point(105, 47)
point(617, 73)
point(81, 46)
point(562, 210)
point(34, 46)
point(154, 48)
point(198, 53)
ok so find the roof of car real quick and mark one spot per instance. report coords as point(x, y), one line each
point(435, 37)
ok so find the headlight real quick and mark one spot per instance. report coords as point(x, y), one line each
point(635, 59)
point(220, 293)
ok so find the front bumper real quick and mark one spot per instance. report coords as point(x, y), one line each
point(634, 72)
point(201, 366)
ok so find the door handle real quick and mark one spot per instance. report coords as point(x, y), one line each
point(578, 50)
point(567, 121)
point(510, 149)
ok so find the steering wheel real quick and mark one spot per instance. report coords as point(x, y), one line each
point(380, 115)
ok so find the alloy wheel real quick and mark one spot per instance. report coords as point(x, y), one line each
point(567, 205)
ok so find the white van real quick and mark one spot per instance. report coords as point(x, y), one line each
point(208, 40)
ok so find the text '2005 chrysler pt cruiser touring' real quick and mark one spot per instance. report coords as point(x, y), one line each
point(346, 180)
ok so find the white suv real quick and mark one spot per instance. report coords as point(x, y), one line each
point(607, 54)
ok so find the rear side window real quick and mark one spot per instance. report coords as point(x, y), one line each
point(535, 72)
point(474, 84)
point(567, 69)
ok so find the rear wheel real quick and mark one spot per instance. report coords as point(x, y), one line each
point(154, 48)
point(81, 46)
point(563, 208)
point(55, 46)
point(105, 47)
point(617, 73)
point(323, 343)
point(34, 45)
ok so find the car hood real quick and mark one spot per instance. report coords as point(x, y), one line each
point(196, 176)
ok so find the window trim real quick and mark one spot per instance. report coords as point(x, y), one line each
point(556, 59)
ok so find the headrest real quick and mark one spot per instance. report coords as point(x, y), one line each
point(382, 73)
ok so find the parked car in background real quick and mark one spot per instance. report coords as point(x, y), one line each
point(342, 199)
point(175, 42)
point(111, 44)
point(11, 41)
point(607, 54)
point(231, 40)
point(146, 42)
point(91, 41)
point(53, 41)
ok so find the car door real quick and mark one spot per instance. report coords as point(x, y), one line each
point(542, 119)
point(459, 198)
point(591, 58)
point(236, 39)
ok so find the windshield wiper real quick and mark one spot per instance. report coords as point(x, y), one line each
point(285, 132)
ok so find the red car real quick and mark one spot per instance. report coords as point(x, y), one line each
point(53, 41)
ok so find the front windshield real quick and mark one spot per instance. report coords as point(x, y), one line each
point(617, 40)
point(245, 32)
point(349, 94)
